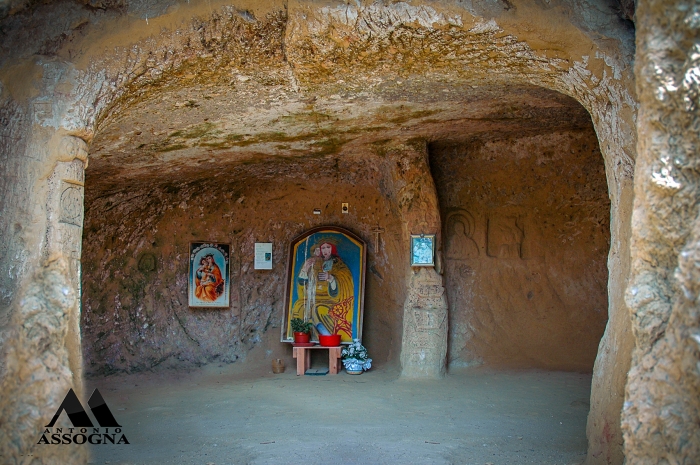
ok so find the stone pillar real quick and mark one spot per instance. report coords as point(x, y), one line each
point(661, 413)
point(424, 341)
point(41, 351)
point(64, 233)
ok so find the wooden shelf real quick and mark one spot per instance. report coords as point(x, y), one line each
point(303, 356)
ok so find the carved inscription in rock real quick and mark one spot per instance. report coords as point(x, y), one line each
point(425, 320)
point(71, 240)
point(425, 325)
point(430, 290)
point(504, 237)
point(466, 271)
point(429, 296)
point(74, 171)
point(424, 341)
point(64, 204)
point(532, 241)
point(43, 110)
point(460, 232)
point(417, 357)
point(71, 205)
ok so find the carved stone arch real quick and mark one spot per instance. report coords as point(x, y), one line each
point(463, 216)
point(295, 47)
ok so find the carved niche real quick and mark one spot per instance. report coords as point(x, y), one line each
point(147, 262)
point(460, 236)
point(504, 237)
point(64, 204)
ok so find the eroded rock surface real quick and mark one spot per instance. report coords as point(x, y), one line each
point(661, 416)
point(526, 240)
point(37, 375)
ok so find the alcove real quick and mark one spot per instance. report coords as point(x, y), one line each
point(523, 205)
point(136, 249)
point(526, 238)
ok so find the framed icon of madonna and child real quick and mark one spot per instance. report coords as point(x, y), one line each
point(209, 282)
point(326, 283)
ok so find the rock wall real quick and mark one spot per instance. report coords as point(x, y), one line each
point(661, 415)
point(38, 374)
point(526, 227)
point(135, 249)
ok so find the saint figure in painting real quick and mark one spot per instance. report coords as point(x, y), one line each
point(208, 280)
point(326, 291)
point(422, 253)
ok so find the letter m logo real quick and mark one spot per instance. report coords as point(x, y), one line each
point(78, 416)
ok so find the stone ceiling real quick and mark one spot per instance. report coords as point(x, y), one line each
point(186, 87)
point(183, 129)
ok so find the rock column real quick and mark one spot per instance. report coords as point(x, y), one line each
point(41, 352)
point(424, 341)
point(43, 150)
point(64, 232)
point(661, 413)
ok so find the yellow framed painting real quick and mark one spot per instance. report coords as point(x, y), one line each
point(326, 283)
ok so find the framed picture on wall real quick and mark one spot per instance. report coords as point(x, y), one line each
point(209, 277)
point(326, 283)
point(422, 249)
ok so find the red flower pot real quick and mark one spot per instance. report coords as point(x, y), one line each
point(329, 341)
point(301, 338)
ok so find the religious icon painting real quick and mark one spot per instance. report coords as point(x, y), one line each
point(326, 283)
point(209, 278)
point(423, 250)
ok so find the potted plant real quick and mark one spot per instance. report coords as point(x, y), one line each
point(302, 330)
point(355, 358)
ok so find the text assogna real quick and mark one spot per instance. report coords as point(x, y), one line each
point(82, 436)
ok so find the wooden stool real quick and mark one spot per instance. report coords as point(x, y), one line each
point(303, 356)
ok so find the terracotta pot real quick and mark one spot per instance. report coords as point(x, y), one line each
point(278, 366)
point(301, 337)
point(329, 341)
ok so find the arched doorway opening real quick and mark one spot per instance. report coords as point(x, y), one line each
point(147, 198)
point(266, 63)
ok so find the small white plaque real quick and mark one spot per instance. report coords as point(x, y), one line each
point(263, 255)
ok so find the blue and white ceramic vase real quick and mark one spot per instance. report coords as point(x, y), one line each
point(355, 367)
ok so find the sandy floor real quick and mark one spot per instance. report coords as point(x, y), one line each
point(228, 415)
